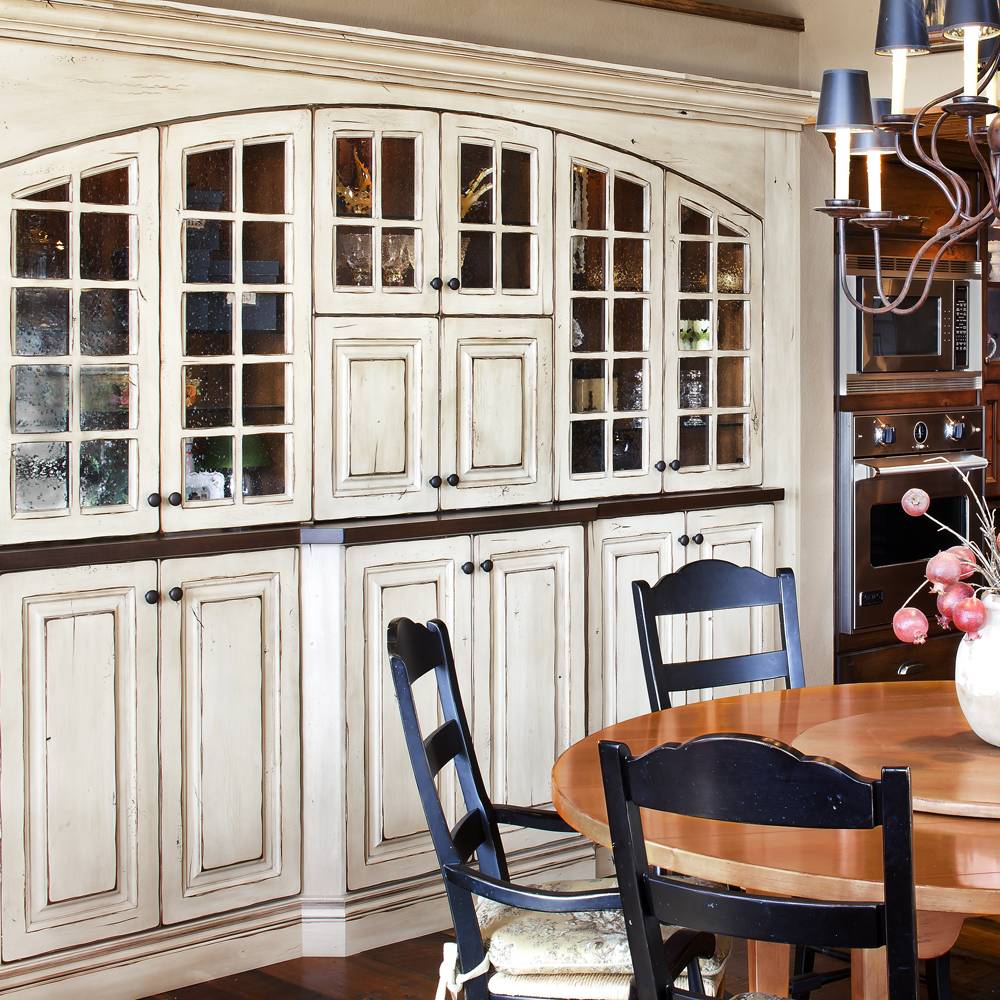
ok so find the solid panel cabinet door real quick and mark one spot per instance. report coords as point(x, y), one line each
point(745, 536)
point(991, 435)
point(529, 669)
point(237, 285)
point(386, 831)
point(376, 416)
point(496, 426)
point(621, 551)
point(496, 217)
point(229, 691)
point(376, 211)
point(79, 283)
point(78, 788)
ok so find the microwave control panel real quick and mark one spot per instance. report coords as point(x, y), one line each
point(961, 321)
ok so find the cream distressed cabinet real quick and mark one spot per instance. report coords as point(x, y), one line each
point(646, 548)
point(513, 603)
point(95, 745)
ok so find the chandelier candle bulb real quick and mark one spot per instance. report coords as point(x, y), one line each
point(899, 57)
point(842, 165)
point(874, 182)
point(970, 60)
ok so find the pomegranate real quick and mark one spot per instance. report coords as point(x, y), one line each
point(943, 569)
point(910, 625)
point(947, 600)
point(967, 558)
point(916, 502)
point(969, 615)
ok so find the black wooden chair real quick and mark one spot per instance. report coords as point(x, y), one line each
point(748, 779)
point(590, 913)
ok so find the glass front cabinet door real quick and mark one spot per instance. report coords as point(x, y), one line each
point(79, 285)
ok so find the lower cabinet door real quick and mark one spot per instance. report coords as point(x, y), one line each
point(623, 550)
point(78, 786)
point(386, 832)
point(529, 669)
point(231, 828)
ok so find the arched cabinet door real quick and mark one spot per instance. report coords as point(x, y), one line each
point(79, 284)
point(608, 370)
point(714, 337)
point(236, 441)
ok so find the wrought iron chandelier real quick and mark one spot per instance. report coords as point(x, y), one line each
point(875, 129)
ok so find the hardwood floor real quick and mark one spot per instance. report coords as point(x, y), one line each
point(408, 971)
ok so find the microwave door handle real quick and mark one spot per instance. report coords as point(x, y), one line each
point(875, 467)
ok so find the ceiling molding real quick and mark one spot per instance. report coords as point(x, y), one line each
point(207, 34)
point(725, 12)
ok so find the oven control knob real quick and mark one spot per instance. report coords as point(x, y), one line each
point(954, 430)
point(885, 434)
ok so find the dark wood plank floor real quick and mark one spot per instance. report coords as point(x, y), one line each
point(408, 971)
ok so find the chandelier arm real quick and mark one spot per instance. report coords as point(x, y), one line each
point(987, 170)
point(966, 194)
point(929, 174)
point(918, 146)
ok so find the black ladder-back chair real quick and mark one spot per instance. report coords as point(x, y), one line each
point(415, 650)
point(748, 779)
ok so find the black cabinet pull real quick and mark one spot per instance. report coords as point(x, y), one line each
point(174, 499)
point(684, 540)
point(435, 482)
point(454, 284)
point(467, 568)
point(486, 565)
point(911, 667)
point(676, 465)
point(453, 480)
point(437, 284)
point(660, 466)
point(175, 593)
point(153, 499)
point(152, 597)
point(698, 539)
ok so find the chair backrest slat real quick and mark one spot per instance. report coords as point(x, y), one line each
point(723, 671)
point(443, 745)
point(468, 834)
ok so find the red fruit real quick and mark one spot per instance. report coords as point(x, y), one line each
point(910, 625)
point(967, 557)
point(916, 502)
point(947, 600)
point(943, 569)
point(970, 616)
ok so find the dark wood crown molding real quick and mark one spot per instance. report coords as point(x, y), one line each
point(723, 12)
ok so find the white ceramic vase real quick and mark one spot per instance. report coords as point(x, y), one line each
point(977, 675)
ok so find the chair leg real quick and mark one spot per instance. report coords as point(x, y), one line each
point(803, 964)
point(696, 984)
point(939, 977)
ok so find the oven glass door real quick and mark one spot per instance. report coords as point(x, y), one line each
point(920, 341)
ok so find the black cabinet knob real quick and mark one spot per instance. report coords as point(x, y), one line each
point(437, 284)
point(486, 565)
point(684, 540)
point(454, 284)
point(453, 480)
point(676, 465)
point(152, 597)
point(660, 466)
point(174, 499)
point(175, 593)
point(153, 499)
point(698, 539)
point(467, 568)
point(435, 482)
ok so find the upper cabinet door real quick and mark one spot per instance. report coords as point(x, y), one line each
point(496, 415)
point(715, 340)
point(236, 255)
point(377, 188)
point(608, 375)
point(79, 284)
point(496, 217)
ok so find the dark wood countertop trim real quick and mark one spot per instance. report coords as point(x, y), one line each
point(723, 12)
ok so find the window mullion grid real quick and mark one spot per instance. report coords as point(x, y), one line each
point(237, 322)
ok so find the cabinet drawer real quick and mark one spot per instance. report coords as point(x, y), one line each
point(934, 661)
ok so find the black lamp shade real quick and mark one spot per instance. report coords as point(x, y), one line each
point(902, 24)
point(962, 14)
point(845, 102)
point(878, 140)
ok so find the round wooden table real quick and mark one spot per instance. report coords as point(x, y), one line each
point(956, 856)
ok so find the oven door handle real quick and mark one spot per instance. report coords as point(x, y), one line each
point(874, 468)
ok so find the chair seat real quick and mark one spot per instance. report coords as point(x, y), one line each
point(570, 956)
point(757, 996)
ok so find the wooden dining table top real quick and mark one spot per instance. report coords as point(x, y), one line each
point(956, 857)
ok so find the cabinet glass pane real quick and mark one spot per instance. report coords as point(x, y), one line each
point(589, 263)
point(208, 323)
point(105, 395)
point(695, 222)
point(41, 321)
point(41, 476)
point(208, 395)
point(104, 473)
point(587, 447)
point(692, 393)
point(264, 465)
point(399, 177)
point(264, 398)
point(41, 244)
point(476, 183)
point(398, 258)
point(733, 325)
point(264, 253)
point(630, 324)
point(109, 187)
point(41, 398)
point(630, 265)
point(105, 321)
point(630, 206)
point(208, 468)
point(694, 266)
point(354, 256)
point(694, 331)
point(209, 180)
point(515, 187)
point(57, 192)
point(732, 380)
point(104, 247)
point(516, 253)
point(476, 259)
point(731, 444)
point(354, 176)
point(693, 437)
point(628, 384)
point(589, 197)
point(264, 178)
point(732, 268)
point(208, 251)
point(729, 229)
point(589, 324)
point(588, 386)
point(627, 445)
point(264, 323)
